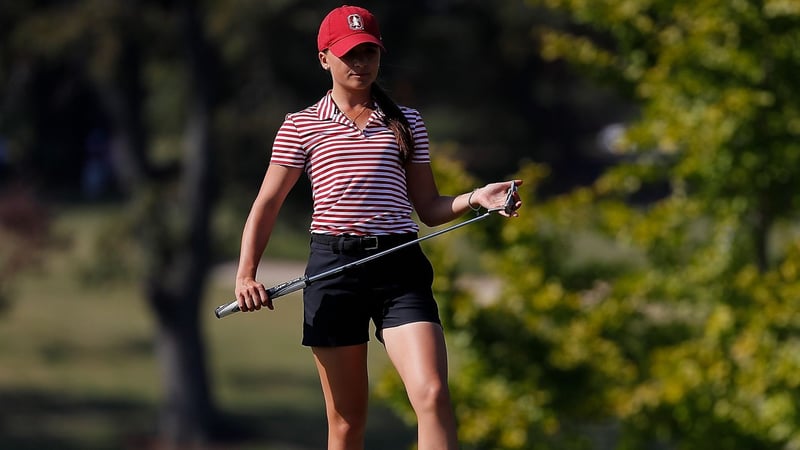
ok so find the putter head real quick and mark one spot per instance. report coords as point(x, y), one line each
point(511, 202)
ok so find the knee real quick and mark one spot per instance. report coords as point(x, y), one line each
point(433, 396)
point(347, 427)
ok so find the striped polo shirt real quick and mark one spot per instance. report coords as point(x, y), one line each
point(357, 179)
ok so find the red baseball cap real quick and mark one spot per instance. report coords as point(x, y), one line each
point(345, 27)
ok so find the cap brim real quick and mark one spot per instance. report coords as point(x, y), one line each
point(344, 45)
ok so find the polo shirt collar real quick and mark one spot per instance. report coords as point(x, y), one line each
point(328, 110)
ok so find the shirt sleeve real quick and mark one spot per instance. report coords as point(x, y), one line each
point(287, 149)
point(420, 135)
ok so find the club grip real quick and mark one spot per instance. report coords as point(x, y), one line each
point(226, 310)
point(274, 292)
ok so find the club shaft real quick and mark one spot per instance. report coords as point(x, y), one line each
point(393, 249)
point(301, 282)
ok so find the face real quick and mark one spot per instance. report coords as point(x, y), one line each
point(356, 70)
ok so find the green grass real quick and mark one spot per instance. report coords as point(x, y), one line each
point(79, 371)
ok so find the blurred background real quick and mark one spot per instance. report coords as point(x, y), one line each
point(647, 297)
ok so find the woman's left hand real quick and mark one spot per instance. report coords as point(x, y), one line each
point(499, 197)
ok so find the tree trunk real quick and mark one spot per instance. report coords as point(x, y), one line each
point(177, 244)
point(189, 412)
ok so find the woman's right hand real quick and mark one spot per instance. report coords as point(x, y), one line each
point(251, 295)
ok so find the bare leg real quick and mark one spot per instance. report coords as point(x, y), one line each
point(419, 354)
point(343, 375)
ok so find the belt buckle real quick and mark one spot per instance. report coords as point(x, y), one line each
point(369, 242)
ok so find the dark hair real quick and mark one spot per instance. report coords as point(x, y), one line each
point(396, 121)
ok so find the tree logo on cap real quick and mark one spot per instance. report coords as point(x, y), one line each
point(355, 22)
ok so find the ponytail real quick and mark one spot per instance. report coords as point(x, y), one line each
point(395, 121)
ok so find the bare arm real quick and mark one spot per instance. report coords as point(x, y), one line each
point(435, 209)
point(277, 183)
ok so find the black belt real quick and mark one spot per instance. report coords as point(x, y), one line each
point(344, 243)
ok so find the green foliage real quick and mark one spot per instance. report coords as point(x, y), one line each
point(678, 326)
point(541, 359)
point(716, 125)
point(714, 81)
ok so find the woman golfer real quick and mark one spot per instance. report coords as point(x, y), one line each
point(368, 163)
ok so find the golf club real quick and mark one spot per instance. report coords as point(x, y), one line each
point(301, 282)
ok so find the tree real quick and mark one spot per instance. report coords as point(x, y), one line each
point(680, 329)
point(175, 285)
point(107, 45)
point(717, 126)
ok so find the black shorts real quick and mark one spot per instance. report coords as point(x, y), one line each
point(392, 290)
